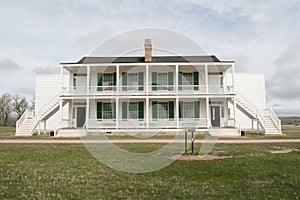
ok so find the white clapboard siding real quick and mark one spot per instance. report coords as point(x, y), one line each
point(47, 86)
point(252, 87)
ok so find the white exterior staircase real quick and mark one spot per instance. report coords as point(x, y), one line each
point(29, 121)
point(266, 118)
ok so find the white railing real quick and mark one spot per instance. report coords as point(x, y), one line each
point(193, 122)
point(153, 89)
point(269, 112)
point(253, 110)
point(42, 112)
point(28, 114)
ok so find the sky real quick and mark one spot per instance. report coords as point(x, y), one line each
point(262, 36)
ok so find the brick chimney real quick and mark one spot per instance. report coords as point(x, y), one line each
point(148, 50)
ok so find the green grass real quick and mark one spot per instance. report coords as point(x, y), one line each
point(70, 172)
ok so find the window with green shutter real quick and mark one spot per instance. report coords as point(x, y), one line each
point(196, 80)
point(124, 110)
point(171, 110)
point(141, 81)
point(114, 110)
point(180, 81)
point(99, 110)
point(99, 82)
point(141, 110)
point(124, 81)
point(170, 81)
point(154, 109)
point(180, 109)
point(196, 109)
point(154, 81)
point(114, 80)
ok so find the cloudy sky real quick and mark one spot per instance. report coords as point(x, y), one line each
point(261, 36)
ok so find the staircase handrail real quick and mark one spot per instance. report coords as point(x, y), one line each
point(274, 117)
point(22, 119)
point(36, 118)
point(259, 115)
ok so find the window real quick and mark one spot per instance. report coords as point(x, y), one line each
point(107, 81)
point(188, 109)
point(162, 81)
point(187, 79)
point(107, 111)
point(132, 80)
point(133, 110)
point(162, 110)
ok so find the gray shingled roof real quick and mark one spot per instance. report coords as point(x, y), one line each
point(155, 59)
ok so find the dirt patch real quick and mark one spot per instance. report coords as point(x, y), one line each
point(198, 157)
point(282, 151)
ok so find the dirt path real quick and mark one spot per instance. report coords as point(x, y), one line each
point(65, 141)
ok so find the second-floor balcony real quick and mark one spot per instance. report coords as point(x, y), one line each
point(148, 90)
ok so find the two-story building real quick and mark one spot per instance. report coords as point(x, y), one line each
point(149, 93)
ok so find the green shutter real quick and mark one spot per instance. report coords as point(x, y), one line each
point(170, 80)
point(196, 109)
point(124, 110)
point(196, 80)
point(124, 81)
point(180, 80)
point(154, 109)
point(171, 110)
point(99, 110)
point(154, 81)
point(99, 82)
point(141, 110)
point(141, 81)
point(180, 109)
point(113, 110)
point(114, 80)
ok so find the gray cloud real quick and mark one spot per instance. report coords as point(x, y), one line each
point(8, 65)
point(285, 81)
point(46, 70)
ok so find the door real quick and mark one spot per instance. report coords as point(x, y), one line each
point(215, 115)
point(80, 116)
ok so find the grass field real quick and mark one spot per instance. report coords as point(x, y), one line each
point(70, 172)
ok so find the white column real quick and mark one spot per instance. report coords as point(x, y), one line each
point(147, 112)
point(176, 78)
point(234, 111)
point(88, 76)
point(117, 112)
point(232, 70)
point(207, 113)
point(61, 79)
point(147, 85)
point(70, 114)
point(87, 115)
point(60, 111)
point(206, 79)
point(177, 111)
point(118, 78)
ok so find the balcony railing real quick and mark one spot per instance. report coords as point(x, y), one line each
point(142, 123)
point(141, 89)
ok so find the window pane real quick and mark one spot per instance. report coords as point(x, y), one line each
point(162, 81)
point(108, 81)
point(162, 110)
point(133, 110)
point(107, 111)
point(188, 109)
point(132, 80)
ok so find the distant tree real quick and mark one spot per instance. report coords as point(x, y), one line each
point(19, 105)
point(5, 108)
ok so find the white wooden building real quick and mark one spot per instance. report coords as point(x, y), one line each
point(150, 93)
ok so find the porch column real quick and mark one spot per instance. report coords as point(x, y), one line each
point(118, 78)
point(70, 114)
point(207, 113)
point(147, 112)
point(87, 114)
point(177, 111)
point(60, 112)
point(61, 79)
point(117, 112)
point(206, 79)
point(233, 85)
point(147, 85)
point(176, 79)
point(88, 74)
point(234, 111)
